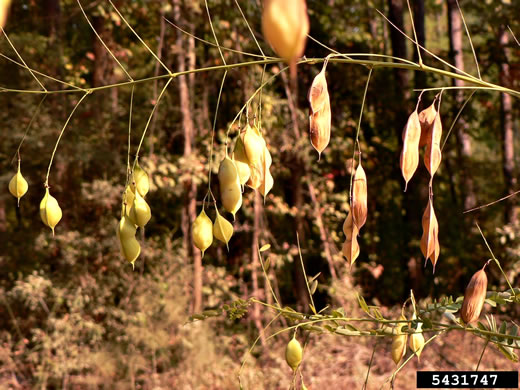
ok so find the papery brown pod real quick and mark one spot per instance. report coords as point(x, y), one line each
point(320, 115)
point(348, 227)
point(433, 155)
point(474, 297)
point(410, 152)
point(430, 238)
point(351, 248)
point(426, 118)
point(359, 197)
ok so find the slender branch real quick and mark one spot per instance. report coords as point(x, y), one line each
point(249, 28)
point(17, 153)
point(414, 32)
point(21, 59)
point(139, 37)
point(482, 354)
point(40, 73)
point(304, 273)
point(61, 134)
point(103, 42)
point(456, 119)
point(469, 37)
point(492, 203)
point(214, 34)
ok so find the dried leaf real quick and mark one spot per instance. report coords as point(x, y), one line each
point(410, 152)
point(359, 197)
point(433, 155)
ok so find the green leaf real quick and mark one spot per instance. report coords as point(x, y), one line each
point(338, 313)
point(314, 286)
point(512, 332)
point(267, 264)
point(347, 332)
point(508, 353)
point(363, 304)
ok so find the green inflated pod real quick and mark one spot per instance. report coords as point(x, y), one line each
point(140, 180)
point(222, 229)
point(126, 228)
point(18, 185)
point(399, 342)
point(202, 232)
point(50, 210)
point(128, 200)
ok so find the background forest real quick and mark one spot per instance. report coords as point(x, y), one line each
point(73, 312)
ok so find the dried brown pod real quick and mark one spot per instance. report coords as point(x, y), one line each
point(410, 152)
point(474, 297)
point(348, 227)
point(359, 197)
point(351, 248)
point(430, 238)
point(426, 118)
point(433, 155)
point(319, 113)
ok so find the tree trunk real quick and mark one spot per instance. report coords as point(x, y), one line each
point(455, 28)
point(508, 156)
point(395, 15)
point(190, 212)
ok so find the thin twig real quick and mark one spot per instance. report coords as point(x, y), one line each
point(492, 203)
point(304, 273)
point(214, 33)
point(482, 354)
point(103, 42)
point(456, 119)
point(21, 59)
point(139, 37)
point(469, 37)
point(414, 32)
point(17, 153)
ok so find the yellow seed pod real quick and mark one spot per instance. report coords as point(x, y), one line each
point(285, 24)
point(241, 162)
point(399, 342)
point(222, 229)
point(50, 211)
point(129, 245)
point(128, 199)
point(125, 228)
point(18, 185)
point(231, 197)
point(417, 341)
point(254, 145)
point(140, 212)
point(4, 10)
point(202, 232)
point(140, 180)
point(227, 172)
point(267, 184)
point(293, 354)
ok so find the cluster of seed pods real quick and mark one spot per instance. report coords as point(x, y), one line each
point(135, 213)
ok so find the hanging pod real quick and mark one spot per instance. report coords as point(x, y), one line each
point(18, 186)
point(140, 180)
point(126, 228)
point(50, 211)
point(140, 212)
point(227, 172)
point(426, 118)
point(320, 115)
point(222, 229)
point(293, 354)
point(128, 200)
point(430, 239)
point(399, 341)
point(410, 153)
point(202, 232)
point(474, 297)
point(129, 245)
point(254, 145)
point(417, 340)
point(241, 162)
point(231, 197)
point(285, 25)
point(359, 197)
